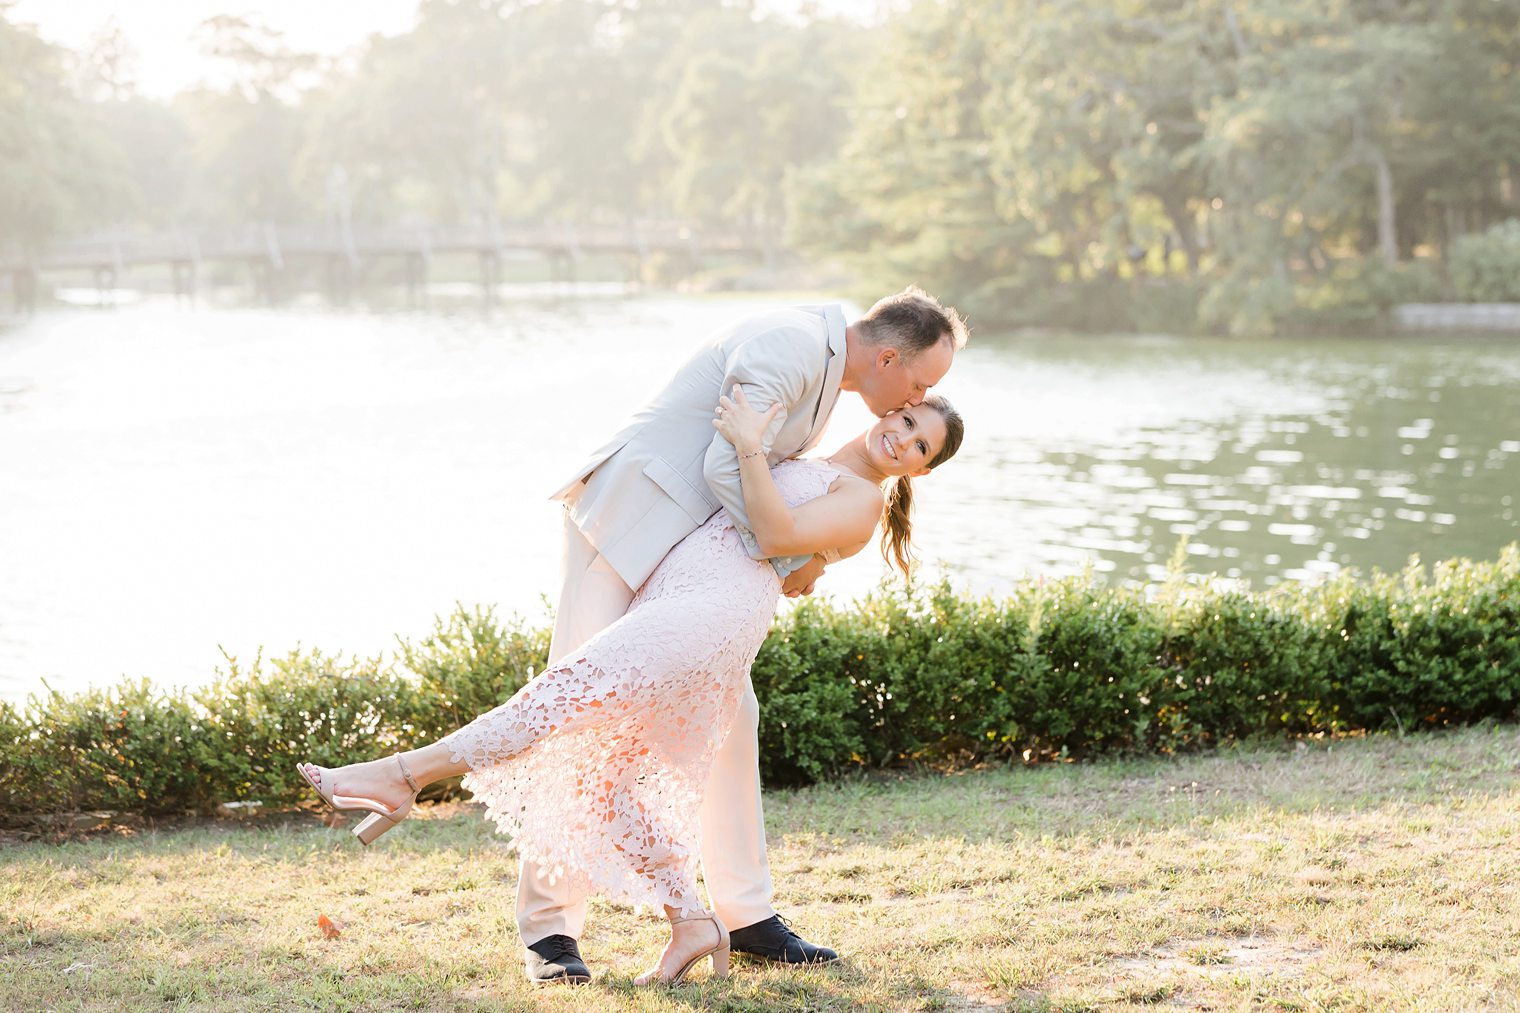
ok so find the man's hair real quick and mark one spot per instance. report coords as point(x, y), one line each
point(912, 321)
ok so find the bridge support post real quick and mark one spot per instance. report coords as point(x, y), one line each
point(572, 253)
point(641, 272)
point(24, 290)
point(416, 281)
point(105, 284)
point(263, 280)
point(693, 257)
point(184, 281)
point(633, 269)
point(490, 276)
point(340, 280)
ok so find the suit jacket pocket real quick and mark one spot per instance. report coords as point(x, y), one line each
point(699, 504)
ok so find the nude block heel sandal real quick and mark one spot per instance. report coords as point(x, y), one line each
point(378, 819)
point(719, 953)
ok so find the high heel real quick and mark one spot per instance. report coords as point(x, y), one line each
point(375, 824)
point(719, 954)
point(720, 962)
point(379, 819)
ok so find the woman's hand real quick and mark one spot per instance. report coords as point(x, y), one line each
point(740, 424)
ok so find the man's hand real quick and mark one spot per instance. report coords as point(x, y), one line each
point(800, 582)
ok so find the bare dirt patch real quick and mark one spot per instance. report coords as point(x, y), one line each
point(1211, 958)
point(970, 996)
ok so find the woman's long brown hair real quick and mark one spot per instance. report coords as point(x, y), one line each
point(896, 515)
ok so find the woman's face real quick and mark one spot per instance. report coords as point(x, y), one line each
point(906, 440)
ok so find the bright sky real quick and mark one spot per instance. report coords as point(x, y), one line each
point(161, 31)
point(168, 59)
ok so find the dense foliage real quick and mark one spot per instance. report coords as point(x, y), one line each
point(1115, 163)
point(486, 111)
point(1092, 164)
point(1485, 266)
point(1063, 668)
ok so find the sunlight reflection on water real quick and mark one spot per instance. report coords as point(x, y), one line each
point(177, 480)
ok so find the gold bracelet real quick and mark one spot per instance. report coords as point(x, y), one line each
point(753, 453)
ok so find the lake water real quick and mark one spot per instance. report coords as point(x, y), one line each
point(174, 483)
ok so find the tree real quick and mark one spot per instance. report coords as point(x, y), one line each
point(247, 138)
point(755, 101)
point(56, 171)
point(911, 197)
point(1114, 148)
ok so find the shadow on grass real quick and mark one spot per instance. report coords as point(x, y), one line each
point(1157, 793)
point(983, 805)
point(839, 986)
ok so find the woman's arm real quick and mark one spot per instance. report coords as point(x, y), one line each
point(844, 517)
point(847, 551)
point(774, 366)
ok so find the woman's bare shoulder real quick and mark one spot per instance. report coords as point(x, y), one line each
point(856, 487)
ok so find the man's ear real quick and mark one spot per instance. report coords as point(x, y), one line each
point(886, 357)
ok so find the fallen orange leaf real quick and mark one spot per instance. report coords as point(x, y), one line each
point(330, 928)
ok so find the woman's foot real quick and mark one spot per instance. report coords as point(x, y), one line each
point(375, 781)
point(691, 939)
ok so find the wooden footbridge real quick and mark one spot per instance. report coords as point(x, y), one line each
point(342, 251)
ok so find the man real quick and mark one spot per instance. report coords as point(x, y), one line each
point(659, 479)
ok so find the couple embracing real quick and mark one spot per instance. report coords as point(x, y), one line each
point(634, 756)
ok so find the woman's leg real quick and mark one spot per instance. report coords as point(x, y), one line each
point(593, 597)
point(382, 781)
point(548, 703)
point(655, 853)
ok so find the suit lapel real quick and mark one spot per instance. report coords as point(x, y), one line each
point(834, 319)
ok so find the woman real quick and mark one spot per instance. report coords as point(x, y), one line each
point(596, 768)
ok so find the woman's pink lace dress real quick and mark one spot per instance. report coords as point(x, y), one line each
point(596, 768)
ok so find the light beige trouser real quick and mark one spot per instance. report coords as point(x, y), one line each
point(592, 598)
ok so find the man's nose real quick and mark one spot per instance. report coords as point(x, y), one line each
point(914, 400)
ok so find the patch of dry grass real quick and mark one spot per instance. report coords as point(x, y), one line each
point(1375, 873)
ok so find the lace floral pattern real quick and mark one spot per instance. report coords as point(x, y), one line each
point(596, 768)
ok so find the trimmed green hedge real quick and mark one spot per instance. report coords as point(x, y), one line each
point(1065, 668)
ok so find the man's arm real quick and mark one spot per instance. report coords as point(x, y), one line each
point(771, 367)
point(845, 513)
point(721, 466)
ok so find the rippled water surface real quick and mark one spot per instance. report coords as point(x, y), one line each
point(174, 483)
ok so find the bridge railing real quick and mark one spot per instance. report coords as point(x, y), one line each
point(271, 243)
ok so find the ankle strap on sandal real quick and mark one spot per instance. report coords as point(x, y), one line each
point(406, 773)
point(705, 916)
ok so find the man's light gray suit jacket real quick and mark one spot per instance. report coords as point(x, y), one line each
point(667, 471)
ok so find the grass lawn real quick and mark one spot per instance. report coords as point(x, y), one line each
point(1378, 873)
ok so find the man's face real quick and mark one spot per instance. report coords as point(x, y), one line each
point(895, 381)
